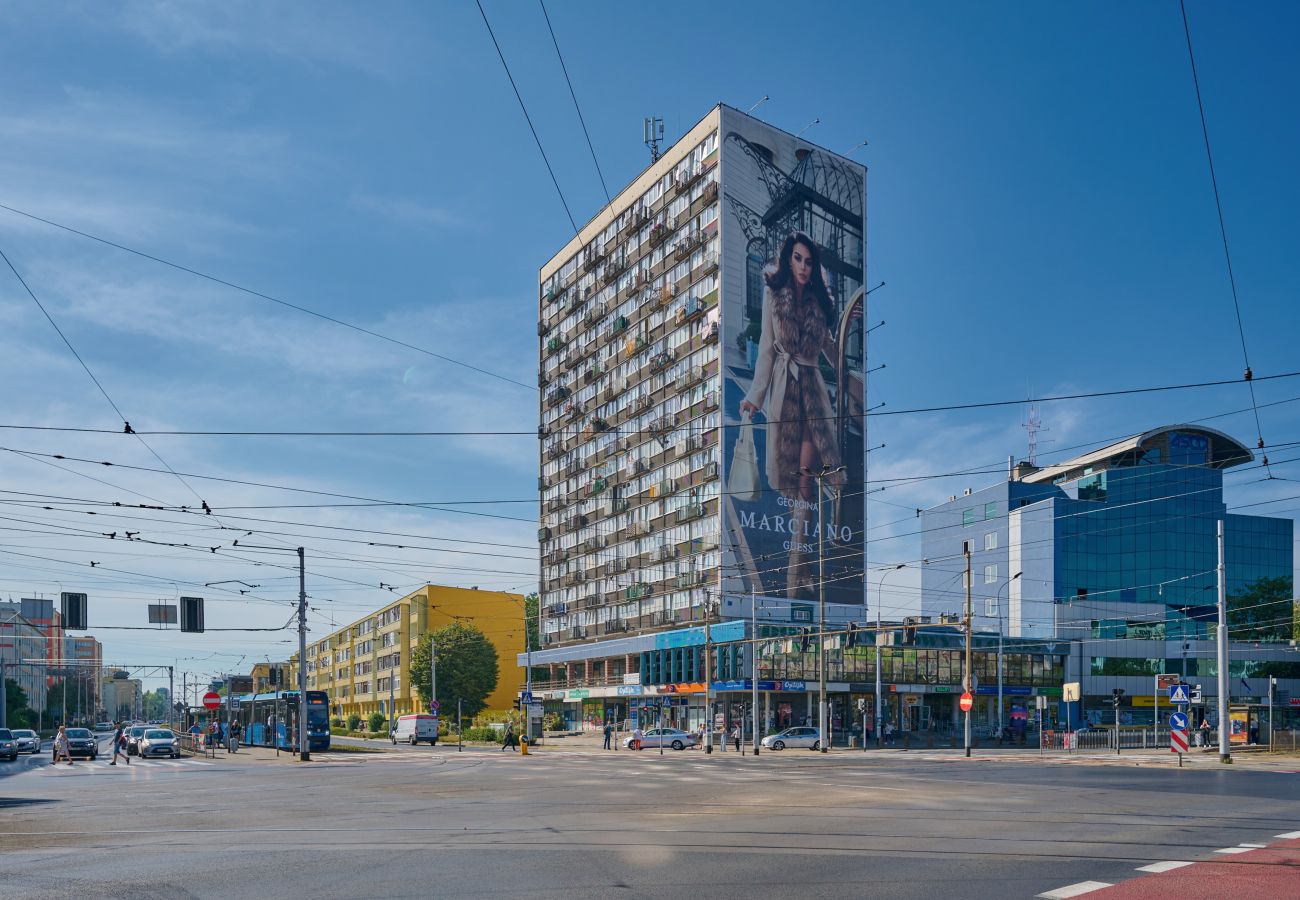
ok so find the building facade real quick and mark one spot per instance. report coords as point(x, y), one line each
point(20, 643)
point(1116, 551)
point(365, 663)
point(701, 343)
point(86, 656)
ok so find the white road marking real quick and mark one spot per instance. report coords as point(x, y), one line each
point(1074, 890)
point(1289, 836)
point(1167, 865)
point(1235, 850)
point(1253, 846)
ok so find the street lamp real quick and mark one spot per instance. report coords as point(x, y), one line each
point(880, 586)
point(821, 475)
point(998, 601)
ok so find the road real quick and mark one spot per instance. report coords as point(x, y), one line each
point(577, 824)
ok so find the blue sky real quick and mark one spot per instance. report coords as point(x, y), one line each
point(1038, 204)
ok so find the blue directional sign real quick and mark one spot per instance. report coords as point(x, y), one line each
point(1178, 693)
point(1178, 722)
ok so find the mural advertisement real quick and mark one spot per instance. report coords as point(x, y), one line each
point(794, 365)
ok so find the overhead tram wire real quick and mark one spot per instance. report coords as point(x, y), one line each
point(951, 407)
point(1223, 228)
point(578, 109)
point(215, 279)
point(527, 117)
point(111, 402)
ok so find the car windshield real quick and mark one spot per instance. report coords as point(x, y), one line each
point(78, 733)
point(158, 735)
point(5, 735)
point(24, 733)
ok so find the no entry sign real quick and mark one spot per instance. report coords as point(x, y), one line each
point(966, 702)
point(211, 700)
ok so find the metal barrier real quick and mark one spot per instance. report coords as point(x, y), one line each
point(196, 745)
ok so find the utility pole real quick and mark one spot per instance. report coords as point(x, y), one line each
point(880, 602)
point(823, 733)
point(966, 547)
point(4, 691)
point(433, 671)
point(1225, 753)
point(304, 751)
point(171, 696)
point(753, 649)
point(708, 692)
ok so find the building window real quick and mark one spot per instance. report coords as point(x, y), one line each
point(990, 607)
point(968, 517)
point(991, 541)
point(991, 510)
point(991, 573)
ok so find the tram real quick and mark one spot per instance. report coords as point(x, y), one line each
point(271, 720)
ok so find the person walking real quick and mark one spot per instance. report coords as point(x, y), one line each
point(61, 746)
point(119, 745)
point(609, 735)
point(508, 740)
point(735, 737)
point(232, 736)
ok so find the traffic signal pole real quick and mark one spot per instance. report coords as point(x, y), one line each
point(1225, 753)
point(966, 546)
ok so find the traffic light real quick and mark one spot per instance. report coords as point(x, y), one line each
point(1115, 695)
point(851, 636)
point(192, 614)
point(804, 635)
point(518, 703)
point(73, 609)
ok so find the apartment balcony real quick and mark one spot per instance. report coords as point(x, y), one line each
point(687, 513)
point(557, 396)
point(572, 579)
point(658, 234)
point(614, 567)
point(577, 521)
point(543, 534)
point(554, 345)
point(615, 506)
point(593, 543)
point(555, 557)
point(636, 591)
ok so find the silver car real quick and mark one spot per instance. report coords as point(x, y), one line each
point(665, 737)
point(157, 742)
point(8, 748)
point(803, 736)
point(27, 741)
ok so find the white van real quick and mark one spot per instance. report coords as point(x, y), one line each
point(413, 729)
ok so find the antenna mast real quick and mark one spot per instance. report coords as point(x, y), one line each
point(653, 133)
point(1034, 425)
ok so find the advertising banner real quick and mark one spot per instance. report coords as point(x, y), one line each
point(793, 364)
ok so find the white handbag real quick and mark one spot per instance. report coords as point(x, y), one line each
point(743, 480)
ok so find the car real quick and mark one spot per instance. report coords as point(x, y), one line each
point(665, 737)
point(103, 726)
point(82, 742)
point(8, 746)
point(802, 736)
point(157, 742)
point(27, 740)
point(133, 735)
point(416, 728)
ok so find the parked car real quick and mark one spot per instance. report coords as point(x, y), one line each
point(416, 728)
point(157, 742)
point(666, 737)
point(133, 735)
point(81, 742)
point(8, 746)
point(27, 740)
point(803, 736)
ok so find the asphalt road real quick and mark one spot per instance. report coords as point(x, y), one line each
point(563, 824)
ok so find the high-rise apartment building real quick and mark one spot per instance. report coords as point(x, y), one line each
point(702, 367)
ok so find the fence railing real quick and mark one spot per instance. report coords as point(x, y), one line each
point(197, 745)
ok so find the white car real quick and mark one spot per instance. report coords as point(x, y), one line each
point(665, 737)
point(27, 741)
point(157, 742)
point(415, 728)
point(803, 736)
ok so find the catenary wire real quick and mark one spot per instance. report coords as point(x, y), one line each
point(578, 109)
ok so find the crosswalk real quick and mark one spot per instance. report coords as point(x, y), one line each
point(105, 767)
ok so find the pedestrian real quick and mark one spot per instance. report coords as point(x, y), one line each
point(509, 739)
point(1205, 732)
point(735, 737)
point(61, 746)
point(609, 735)
point(232, 736)
point(119, 744)
point(889, 734)
point(637, 736)
point(1254, 733)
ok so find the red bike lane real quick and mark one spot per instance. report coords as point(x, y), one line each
point(1243, 873)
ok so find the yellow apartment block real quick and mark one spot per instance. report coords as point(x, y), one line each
point(356, 663)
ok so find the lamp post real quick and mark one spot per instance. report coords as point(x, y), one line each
point(821, 475)
point(998, 599)
point(880, 602)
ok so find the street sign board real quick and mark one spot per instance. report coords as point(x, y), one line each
point(211, 700)
point(1166, 681)
point(1070, 691)
point(234, 704)
point(1041, 701)
point(1178, 742)
point(1180, 693)
point(966, 702)
point(1196, 694)
point(433, 707)
point(1178, 721)
point(525, 696)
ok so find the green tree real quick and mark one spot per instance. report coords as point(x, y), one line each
point(15, 704)
point(1264, 611)
point(155, 706)
point(467, 668)
point(531, 626)
point(376, 721)
point(80, 703)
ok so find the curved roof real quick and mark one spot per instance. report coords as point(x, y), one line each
point(1225, 451)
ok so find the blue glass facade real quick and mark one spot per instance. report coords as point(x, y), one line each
point(1135, 524)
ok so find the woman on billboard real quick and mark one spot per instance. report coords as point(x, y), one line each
point(789, 389)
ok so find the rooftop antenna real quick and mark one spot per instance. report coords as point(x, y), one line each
point(759, 103)
point(1034, 425)
point(653, 129)
point(816, 121)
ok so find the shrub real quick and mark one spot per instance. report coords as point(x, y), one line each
point(377, 721)
point(354, 722)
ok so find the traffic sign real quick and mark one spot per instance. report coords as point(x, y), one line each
point(966, 702)
point(1196, 694)
point(1178, 721)
point(234, 704)
point(1178, 693)
point(526, 696)
point(433, 707)
point(211, 700)
point(1178, 742)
